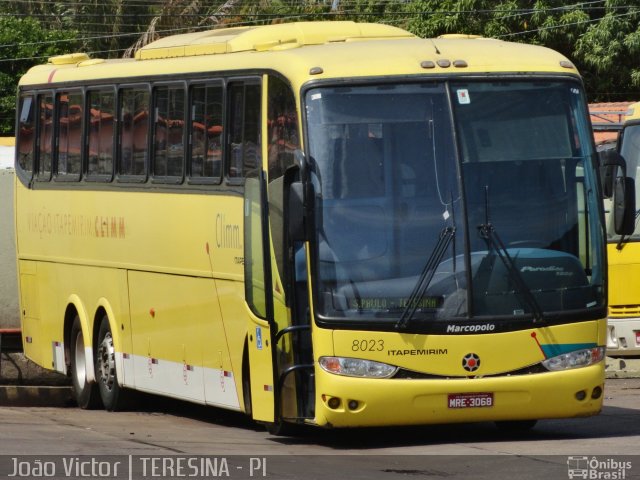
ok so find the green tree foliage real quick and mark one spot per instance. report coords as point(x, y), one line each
point(23, 43)
point(602, 37)
point(609, 51)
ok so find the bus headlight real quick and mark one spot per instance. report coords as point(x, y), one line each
point(356, 367)
point(576, 359)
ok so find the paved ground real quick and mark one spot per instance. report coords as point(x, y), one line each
point(165, 431)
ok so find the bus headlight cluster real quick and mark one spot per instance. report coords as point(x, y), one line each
point(576, 359)
point(356, 367)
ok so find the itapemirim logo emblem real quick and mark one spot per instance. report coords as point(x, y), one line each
point(597, 468)
point(471, 362)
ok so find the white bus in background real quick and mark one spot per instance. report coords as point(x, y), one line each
point(7, 151)
point(9, 318)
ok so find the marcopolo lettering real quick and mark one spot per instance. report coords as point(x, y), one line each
point(485, 327)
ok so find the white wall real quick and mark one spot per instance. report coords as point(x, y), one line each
point(6, 157)
point(9, 309)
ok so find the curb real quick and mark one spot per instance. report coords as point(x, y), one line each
point(32, 396)
point(622, 367)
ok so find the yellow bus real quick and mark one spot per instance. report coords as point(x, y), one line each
point(623, 339)
point(334, 224)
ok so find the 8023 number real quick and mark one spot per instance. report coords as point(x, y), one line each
point(367, 345)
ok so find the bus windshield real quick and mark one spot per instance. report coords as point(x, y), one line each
point(450, 201)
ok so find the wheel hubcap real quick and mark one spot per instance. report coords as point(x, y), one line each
point(107, 362)
point(80, 363)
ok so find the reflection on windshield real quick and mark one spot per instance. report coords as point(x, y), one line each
point(389, 184)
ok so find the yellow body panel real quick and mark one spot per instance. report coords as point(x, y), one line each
point(178, 250)
point(624, 265)
point(413, 401)
point(624, 299)
point(436, 361)
point(441, 355)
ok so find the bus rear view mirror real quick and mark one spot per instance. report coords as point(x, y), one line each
point(624, 205)
point(610, 160)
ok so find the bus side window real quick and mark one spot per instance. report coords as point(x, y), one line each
point(168, 132)
point(69, 134)
point(26, 136)
point(101, 104)
point(205, 157)
point(282, 125)
point(133, 132)
point(45, 137)
point(243, 147)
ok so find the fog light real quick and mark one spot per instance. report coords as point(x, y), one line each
point(597, 393)
point(353, 404)
point(581, 395)
point(333, 402)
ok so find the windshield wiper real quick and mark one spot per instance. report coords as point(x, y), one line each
point(490, 235)
point(429, 270)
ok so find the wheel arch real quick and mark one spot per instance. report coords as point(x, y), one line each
point(75, 306)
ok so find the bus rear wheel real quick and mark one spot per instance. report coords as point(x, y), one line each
point(113, 396)
point(85, 393)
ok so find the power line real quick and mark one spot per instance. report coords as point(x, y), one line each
point(514, 12)
point(553, 27)
point(402, 14)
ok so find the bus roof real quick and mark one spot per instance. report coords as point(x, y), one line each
point(309, 50)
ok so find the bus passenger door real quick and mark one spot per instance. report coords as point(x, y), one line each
point(259, 299)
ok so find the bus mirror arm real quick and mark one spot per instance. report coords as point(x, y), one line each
point(624, 206)
point(296, 212)
point(300, 161)
point(610, 161)
point(301, 196)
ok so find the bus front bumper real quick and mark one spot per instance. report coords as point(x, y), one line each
point(358, 402)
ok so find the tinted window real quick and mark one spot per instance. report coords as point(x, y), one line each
point(100, 131)
point(46, 136)
point(244, 128)
point(26, 134)
point(206, 132)
point(68, 145)
point(134, 131)
point(168, 138)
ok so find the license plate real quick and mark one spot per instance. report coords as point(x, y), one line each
point(470, 400)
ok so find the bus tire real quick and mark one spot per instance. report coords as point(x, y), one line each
point(113, 396)
point(85, 393)
point(246, 382)
point(284, 429)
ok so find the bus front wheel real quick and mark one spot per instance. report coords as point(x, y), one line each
point(85, 393)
